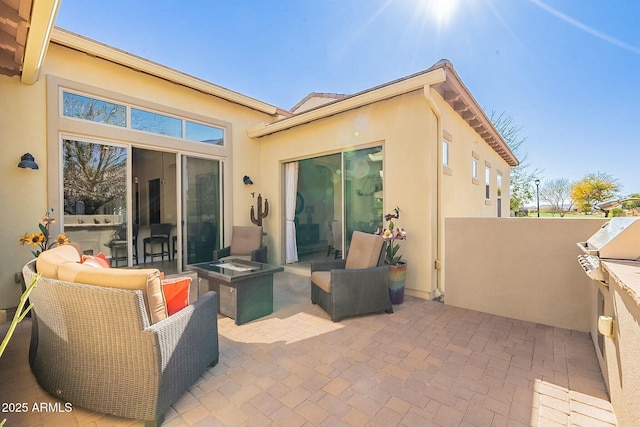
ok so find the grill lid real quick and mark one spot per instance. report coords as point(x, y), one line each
point(617, 239)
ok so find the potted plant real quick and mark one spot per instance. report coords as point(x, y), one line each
point(41, 242)
point(397, 267)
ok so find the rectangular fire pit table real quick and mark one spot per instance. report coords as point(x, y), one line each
point(244, 288)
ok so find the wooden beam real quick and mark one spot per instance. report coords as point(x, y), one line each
point(7, 63)
point(450, 96)
point(7, 42)
point(9, 15)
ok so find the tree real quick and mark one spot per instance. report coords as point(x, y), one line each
point(632, 204)
point(557, 193)
point(521, 176)
point(94, 174)
point(592, 189)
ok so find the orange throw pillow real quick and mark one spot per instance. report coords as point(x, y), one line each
point(99, 260)
point(176, 293)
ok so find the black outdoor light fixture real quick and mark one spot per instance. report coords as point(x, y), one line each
point(247, 180)
point(27, 162)
point(537, 182)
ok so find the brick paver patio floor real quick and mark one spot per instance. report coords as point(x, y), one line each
point(427, 364)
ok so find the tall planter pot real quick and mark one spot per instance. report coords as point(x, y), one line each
point(397, 277)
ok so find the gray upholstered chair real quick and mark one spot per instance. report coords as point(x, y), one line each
point(355, 286)
point(96, 348)
point(246, 243)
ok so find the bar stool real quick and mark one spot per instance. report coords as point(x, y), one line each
point(160, 234)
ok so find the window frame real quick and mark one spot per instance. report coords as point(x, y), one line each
point(130, 107)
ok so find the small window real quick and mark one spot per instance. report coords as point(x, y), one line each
point(474, 169)
point(155, 123)
point(445, 152)
point(94, 110)
point(204, 133)
point(487, 182)
point(499, 193)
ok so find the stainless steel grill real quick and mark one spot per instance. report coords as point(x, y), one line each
point(617, 239)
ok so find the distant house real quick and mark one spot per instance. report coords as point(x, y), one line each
point(175, 149)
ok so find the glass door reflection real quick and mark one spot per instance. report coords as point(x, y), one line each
point(202, 207)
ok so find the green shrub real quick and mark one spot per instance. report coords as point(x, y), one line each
point(616, 212)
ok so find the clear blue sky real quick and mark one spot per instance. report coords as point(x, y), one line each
point(566, 71)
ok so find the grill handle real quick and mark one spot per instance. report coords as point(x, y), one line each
point(584, 248)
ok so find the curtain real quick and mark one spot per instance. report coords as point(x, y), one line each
point(291, 189)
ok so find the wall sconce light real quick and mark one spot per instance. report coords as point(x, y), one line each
point(27, 162)
point(247, 180)
point(605, 325)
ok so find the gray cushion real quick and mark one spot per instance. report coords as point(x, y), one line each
point(245, 239)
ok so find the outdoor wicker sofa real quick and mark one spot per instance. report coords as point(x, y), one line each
point(100, 347)
point(355, 286)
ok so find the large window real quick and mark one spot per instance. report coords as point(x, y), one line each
point(102, 111)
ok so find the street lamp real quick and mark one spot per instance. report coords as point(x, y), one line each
point(537, 181)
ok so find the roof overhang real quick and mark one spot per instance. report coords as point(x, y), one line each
point(379, 93)
point(25, 28)
point(43, 17)
point(120, 57)
point(456, 94)
point(442, 77)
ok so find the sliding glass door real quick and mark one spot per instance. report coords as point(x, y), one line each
point(363, 193)
point(95, 198)
point(337, 194)
point(202, 208)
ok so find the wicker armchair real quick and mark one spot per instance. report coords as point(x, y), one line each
point(246, 243)
point(355, 286)
point(94, 347)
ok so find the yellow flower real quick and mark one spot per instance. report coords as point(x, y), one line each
point(62, 239)
point(36, 239)
point(25, 238)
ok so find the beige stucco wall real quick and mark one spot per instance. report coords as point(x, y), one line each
point(23, 193)
point(25, 126)
point(523, 268)
point(407, 129)
point(458, 186)
point(401, 126)
point(619, 358)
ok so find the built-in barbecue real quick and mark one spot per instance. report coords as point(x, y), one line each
point(618, 238)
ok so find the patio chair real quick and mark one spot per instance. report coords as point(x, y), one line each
point(97, 348)
point(246, 243)
point(355, 286)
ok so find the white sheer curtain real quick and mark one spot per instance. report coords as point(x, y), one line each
point(291, 189)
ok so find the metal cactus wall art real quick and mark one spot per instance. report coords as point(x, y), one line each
point(263, 211)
